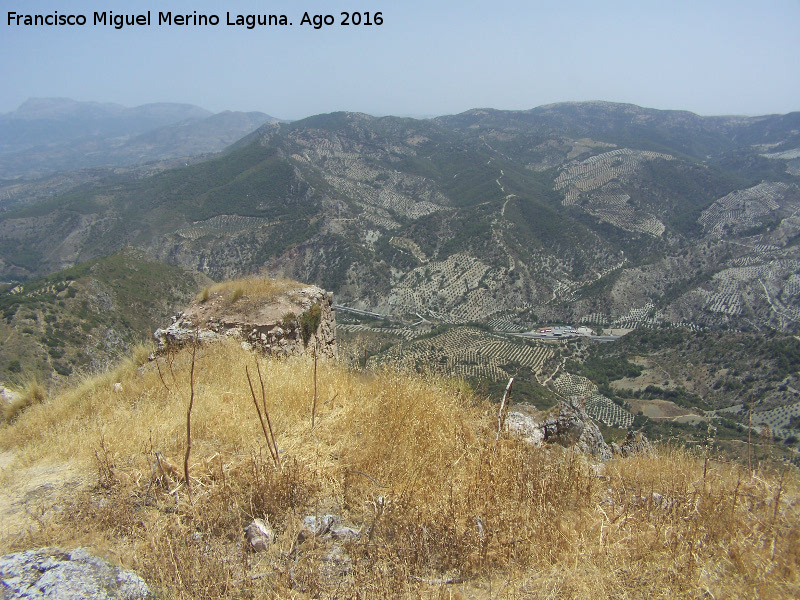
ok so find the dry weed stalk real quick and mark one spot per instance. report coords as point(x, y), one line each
point(272, 445)
point(189, 418)
point(314, 405)
point(501, 415)
point(412, 463)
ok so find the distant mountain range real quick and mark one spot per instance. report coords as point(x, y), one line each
point(478, 226)
point(45, 135)
point(595, 212)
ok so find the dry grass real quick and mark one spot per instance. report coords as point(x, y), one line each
point(26, 394)
point(261, 288)
point(409, 461)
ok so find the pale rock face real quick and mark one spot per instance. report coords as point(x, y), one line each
point(568, 425)
point(264, 329)
point(635, 444)
point(259, 534)
point(67, 575)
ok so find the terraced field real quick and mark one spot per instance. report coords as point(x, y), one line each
point(599, 407)
point(456, 290)
point(405, 332)
point(594, 184)
point(637, 317)
point(221, 225)
point(775, 284)
point(780, 420)
point(353, 169)
point(468, 352)
point(742, 209)
point(507, 325)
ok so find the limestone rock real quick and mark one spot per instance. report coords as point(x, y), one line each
point(327, 526)
point(568, 425)
point(259, 534)
point(526, 424)
point(635, 444)
point(67, 575)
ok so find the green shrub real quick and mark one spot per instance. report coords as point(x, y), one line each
point(309, 321)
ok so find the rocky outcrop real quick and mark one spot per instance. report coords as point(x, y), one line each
point(67, 575)
point(297, 320)
point(635, 444)
point(567, 424)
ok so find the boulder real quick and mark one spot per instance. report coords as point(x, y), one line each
point(570, 425)
point(67, 575)
point(635, 444)
point(567, 424)
point(259, 534)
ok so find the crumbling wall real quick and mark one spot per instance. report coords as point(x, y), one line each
point(297, 321)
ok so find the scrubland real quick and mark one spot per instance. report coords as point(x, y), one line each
point(437, 507)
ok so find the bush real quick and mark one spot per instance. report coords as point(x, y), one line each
point(309, 321)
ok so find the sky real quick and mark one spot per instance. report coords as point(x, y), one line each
point(427, 58)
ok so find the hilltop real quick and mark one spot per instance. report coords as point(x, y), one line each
point(399, 490)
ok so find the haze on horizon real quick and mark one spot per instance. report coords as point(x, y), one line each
point(708, 57)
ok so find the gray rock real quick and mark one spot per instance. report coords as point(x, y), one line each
point(635, 444)
point(328, 526)
point(67, 575)
point(319, 526)
point(568, 425)
point(259, 534)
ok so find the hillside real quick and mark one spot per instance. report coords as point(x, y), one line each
point(85, 317)
point(485, 225)
point(472, 217)
point(400, 490)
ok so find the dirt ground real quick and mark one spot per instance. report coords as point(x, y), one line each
point(29, 495)
point(657, 409)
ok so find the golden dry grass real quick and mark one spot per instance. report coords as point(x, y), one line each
point(27, 393)
point(260, 287)
point(412, 463)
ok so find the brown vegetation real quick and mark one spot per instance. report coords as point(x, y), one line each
point(27, 393)
point(412, 464)
point(260, 288)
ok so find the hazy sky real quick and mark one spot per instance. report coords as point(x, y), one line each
point(428, 57)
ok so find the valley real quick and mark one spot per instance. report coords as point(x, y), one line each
point(472, 227)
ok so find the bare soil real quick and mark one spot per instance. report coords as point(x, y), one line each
point(30, 495)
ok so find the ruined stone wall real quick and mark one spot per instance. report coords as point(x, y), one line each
point(298, 321)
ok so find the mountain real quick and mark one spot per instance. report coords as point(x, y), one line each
point(53, 121)
point(470, 217)
point(45, 135)
point(458, 233)
point(85, 317)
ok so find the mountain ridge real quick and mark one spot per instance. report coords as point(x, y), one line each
point(45, 135)
point(345, 197)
